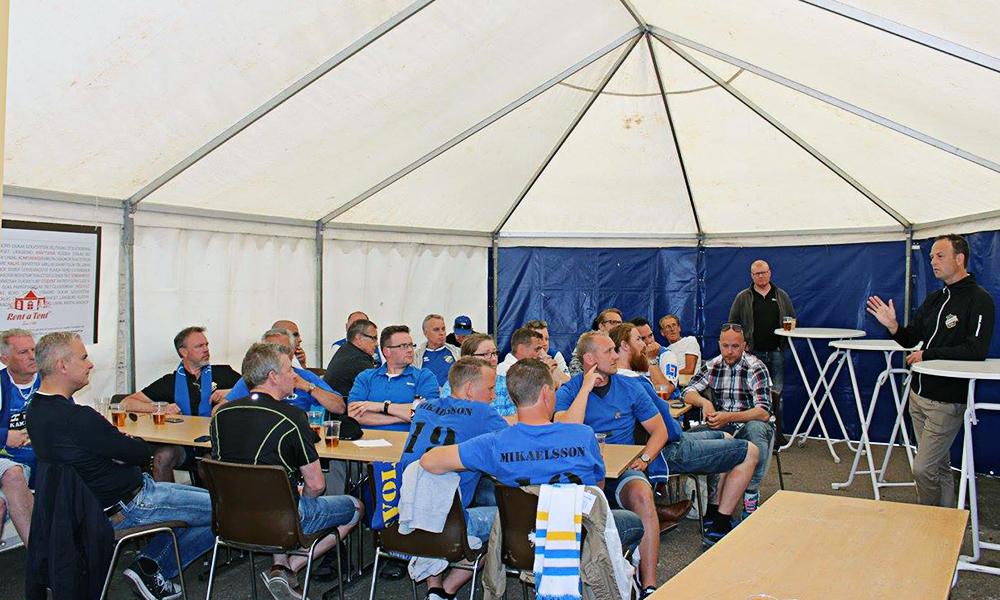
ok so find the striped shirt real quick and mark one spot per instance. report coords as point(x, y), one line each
point(260, 430)
point(739, 387)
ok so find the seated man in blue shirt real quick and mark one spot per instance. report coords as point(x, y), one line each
point(435, 354)
point(310, 391)
point(382, 398)
point(611, 404)
point(19, 381)
point(454, 419)
point(534, 450)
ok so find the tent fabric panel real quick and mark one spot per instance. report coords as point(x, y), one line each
point(104, 353)
point(104, 97)
point(911, 176)
point(939, 95)
point(984, 246)
point(401, 283)
point(970, 23)
point(236, 285)
point(748, 177)
point(409, 92)
point(567, 287)
point(828, 286)
point(472, 185)
point(618, 171)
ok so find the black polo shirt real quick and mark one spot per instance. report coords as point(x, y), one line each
point(260, 430)
point(162, 390)
point(345, 366)
point(66, 433)
point(766, 318)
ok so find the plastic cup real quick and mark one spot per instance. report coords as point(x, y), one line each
point(788, 323)
point(600, 438)
point(663, 391)
point(117, 415)
point(316, 422)
point(102, 405)
point(331, 433)
point(159, 413)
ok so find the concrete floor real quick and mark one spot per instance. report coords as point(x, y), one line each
point(807, 469)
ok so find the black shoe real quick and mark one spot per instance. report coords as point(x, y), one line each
point(151, 587)
point(646, 592)
point(392, 570)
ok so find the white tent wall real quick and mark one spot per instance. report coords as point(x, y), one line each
point(104, 353)
point(398, 279)
point(235, 284)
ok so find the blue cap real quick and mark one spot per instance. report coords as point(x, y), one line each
point(463, 325)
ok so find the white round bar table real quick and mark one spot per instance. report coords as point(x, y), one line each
point(887, 348)
point(809, 334)
point(972, 370)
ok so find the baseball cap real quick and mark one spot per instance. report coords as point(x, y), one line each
point(463, 325)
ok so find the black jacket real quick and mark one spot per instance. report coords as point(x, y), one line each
point(71, 540)
point(954, 323)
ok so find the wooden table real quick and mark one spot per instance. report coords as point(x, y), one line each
point(814, 547)
point(617, 457)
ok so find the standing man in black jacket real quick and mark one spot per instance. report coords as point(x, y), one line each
point(760, 309)
point(954, 323)
point(109, 461)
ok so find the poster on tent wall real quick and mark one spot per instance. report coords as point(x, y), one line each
point(49, 276)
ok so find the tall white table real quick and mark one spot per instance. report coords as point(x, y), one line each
point(887, 348)
point(972, 370)
point(819, 333)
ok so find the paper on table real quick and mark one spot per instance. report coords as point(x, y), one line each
point(376, 443)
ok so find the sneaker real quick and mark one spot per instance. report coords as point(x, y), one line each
point(646, 592)
point(750, 502)
point(282, 584)
point(710, 538)
point(438, 594)
point(152, 587)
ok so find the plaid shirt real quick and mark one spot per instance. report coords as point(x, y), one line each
point(739, 387)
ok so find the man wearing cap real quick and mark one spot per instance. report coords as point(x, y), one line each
point(351, 318)
point(462, 330)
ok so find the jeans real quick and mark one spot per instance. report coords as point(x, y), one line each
point(158, 502)
point(629, 527)
point(759, 434)
point(324, 512)
point(486, 494)
point(479, 521)
point(704, 451)
point(935, 424)
point(774, 360)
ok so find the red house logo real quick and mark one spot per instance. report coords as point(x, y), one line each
point(30, 301)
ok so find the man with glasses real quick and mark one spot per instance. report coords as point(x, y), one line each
point(606, 320)
point(351, 318)
point(353, 357)
point(760, 309)
point(742, 402)
point(383, 398)
point(686, 350)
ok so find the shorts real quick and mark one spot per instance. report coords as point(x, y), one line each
point(613, 487)
point(479, 521)
point(328, 511)
point(5, 465)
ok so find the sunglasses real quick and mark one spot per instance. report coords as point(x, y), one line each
point(733, 326)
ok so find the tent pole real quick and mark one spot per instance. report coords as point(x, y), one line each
point(908, 282)
point(699, 309)
point(495, 285)
point(319, 294)
point(125, 371)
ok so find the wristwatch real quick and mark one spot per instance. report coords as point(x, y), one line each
point(644, 458)
point(385, 407)
point(312, 386)
point(654, 361)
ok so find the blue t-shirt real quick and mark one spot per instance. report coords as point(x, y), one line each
point(14, 401)
point(447, 421)
point(616, 413)
point(301, 399)
point(536, 454)
point(438, 362)
point(375, 385)
point(502, 403)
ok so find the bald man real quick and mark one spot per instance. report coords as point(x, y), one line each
point(760, 309)
point(299, 359)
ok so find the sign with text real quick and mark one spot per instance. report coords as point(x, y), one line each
point(49, 277)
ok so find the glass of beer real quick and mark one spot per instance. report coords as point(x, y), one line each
point(663, 392)
point(331, 433)
point(117, 415)
point(788, 323)
point(601, 437)
point(316, 422)
point(159, 413)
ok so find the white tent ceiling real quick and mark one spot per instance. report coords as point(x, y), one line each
point(660, 119)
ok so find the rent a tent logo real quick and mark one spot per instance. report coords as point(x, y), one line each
point(29, 307)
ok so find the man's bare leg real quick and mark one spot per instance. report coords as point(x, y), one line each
point(731, 489)
point(637, 496)
point(20, 501)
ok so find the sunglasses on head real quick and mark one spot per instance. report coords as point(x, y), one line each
point(733, 326)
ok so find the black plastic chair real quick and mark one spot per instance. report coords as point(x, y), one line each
point(254, 509)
